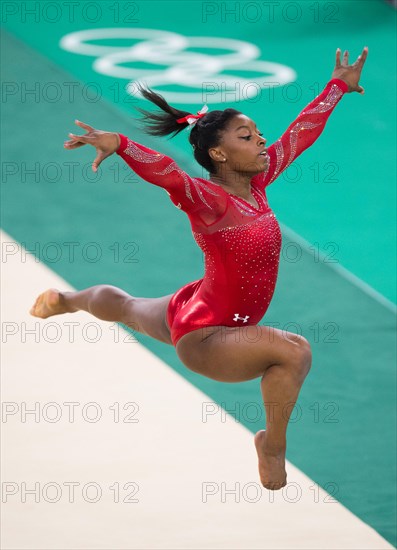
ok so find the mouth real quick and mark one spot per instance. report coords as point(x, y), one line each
point(264, 154)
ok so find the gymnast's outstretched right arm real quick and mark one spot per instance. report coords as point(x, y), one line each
point(191, 195)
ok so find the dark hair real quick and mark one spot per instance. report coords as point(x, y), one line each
point(204, 134)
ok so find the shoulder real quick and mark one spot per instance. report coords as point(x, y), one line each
point(210, 194)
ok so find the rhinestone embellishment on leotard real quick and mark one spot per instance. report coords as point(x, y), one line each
point(332, 98)
point(280, 157)
point(299, 126)
point(173, 167)
point(244, 207)
point(142, 156)
point(252, 251)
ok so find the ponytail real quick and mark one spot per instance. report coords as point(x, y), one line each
point(161, 123)
point(205, 133)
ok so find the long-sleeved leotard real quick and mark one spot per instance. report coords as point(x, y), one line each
point(241, 242)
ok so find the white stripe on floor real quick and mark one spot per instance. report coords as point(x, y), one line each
point(191, 484)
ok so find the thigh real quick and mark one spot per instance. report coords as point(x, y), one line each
point(149, 317)
point(237, 354)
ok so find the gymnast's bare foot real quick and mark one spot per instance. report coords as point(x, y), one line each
point(271, 463)
point(50, 302)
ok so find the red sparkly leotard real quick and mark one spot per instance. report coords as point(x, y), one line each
point(241, 242)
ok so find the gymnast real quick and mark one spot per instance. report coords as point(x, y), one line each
point(213, 322)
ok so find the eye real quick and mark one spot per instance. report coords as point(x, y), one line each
point(247, 138)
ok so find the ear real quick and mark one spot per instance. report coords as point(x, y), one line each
point(217, 154)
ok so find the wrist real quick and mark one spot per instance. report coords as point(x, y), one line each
point(118, 141)
point(122, 143)
point(340, 83)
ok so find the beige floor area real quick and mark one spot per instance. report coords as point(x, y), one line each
point(104, 446)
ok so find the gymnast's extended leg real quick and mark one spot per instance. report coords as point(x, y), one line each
point(109, 303)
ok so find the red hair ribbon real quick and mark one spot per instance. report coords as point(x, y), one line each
point(192, 119)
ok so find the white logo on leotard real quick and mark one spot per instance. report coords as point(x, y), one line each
point(170, 58)
point(236, 318)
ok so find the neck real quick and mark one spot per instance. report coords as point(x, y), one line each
point(234, 182)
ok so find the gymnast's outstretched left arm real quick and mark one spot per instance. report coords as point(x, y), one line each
point(310, 123)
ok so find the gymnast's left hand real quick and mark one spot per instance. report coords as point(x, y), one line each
point(105, 143)
point(350, 73)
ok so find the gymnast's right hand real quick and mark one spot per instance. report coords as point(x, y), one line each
point(105, 143)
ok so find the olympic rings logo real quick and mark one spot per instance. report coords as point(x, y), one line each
point(179, 61)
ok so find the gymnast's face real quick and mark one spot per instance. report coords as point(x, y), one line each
point(241, 147)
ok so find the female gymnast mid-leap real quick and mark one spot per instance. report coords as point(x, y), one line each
point(213, 322)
